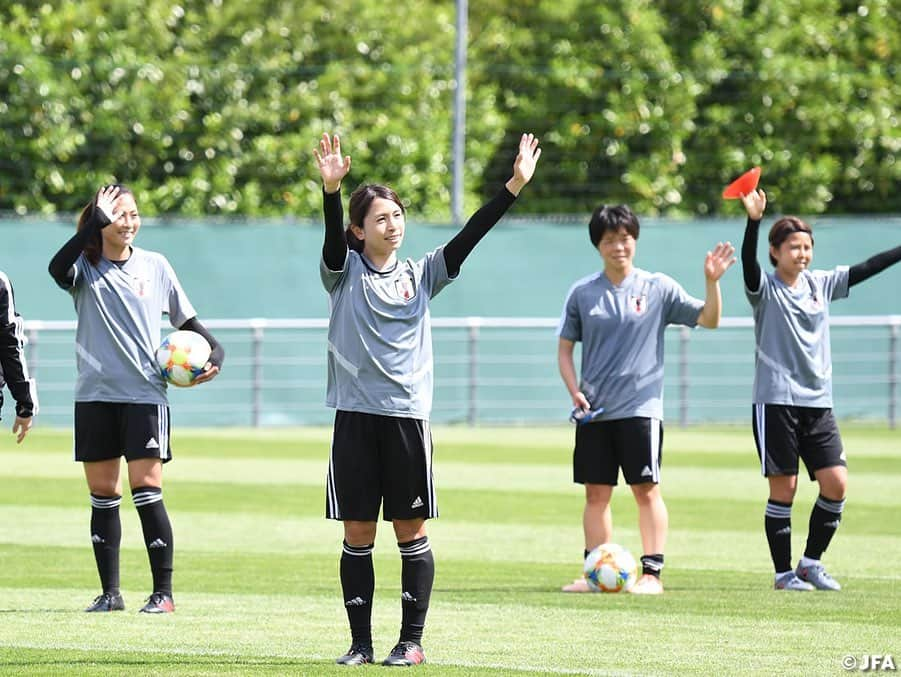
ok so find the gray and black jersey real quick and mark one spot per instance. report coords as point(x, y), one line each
point(621, 328)
point(380, 337)
point(13, 367)
point(793, 361)
point(120, 309)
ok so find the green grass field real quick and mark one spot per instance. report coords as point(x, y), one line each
point(256, 581)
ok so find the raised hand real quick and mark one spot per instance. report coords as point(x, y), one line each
point(524, 165)
point(105, 202)
point(332, 166)
point(719, 261)
point(755, 204)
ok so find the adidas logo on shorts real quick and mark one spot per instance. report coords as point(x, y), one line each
point(152, 444)
point(417, 503)
point(646, 472)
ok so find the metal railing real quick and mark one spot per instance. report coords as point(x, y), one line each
point(487, 370)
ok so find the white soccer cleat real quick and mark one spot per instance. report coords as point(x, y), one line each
point(647, 585)
point(790, 581)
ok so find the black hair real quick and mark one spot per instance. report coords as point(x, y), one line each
point(93, 248)
point(358, 207)
point(611, 218)
point(783, 228)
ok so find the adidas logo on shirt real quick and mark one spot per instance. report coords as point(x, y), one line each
point(158, 543)
point(646, 472)
point(152, 444)
point(417, 503)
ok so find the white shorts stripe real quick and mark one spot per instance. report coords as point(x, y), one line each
point(760, 418)
point(430, 482)
point(333, 511)
point(655, 449)
point(162, 412)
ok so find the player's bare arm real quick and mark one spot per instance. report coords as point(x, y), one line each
point(524, 165)
point(716, 263)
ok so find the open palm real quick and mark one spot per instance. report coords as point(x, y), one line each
point(332, 166)
point(719, 260)
point(527, 158)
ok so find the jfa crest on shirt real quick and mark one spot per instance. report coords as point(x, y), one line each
point(139, 285)
point(404, 287)
point(638, 304)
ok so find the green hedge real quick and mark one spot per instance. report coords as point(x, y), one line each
point(215, 107)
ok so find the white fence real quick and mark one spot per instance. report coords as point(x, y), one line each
point(487, 370)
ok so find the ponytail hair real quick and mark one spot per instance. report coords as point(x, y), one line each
point(93, 248)
point(353, 242)
point(358, 206)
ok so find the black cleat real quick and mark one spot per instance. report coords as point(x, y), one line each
point(357, 654)
point(405, 653)
point(108, 601)
point(159, 603)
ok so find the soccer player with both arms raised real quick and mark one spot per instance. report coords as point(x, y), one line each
point(380, 383)
point(792, 410)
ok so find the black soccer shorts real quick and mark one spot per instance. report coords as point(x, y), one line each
point(380, 461)
point(603, 447)
point(105, 430)
point(784, 433)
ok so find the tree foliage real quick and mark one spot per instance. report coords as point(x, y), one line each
point(214, 107)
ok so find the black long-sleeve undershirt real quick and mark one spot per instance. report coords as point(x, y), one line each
point(749, 266)
point(334, 249)
point(217, 354)
point(478, 225)
point(875, 264)
point(856, 274)
point(60, 267)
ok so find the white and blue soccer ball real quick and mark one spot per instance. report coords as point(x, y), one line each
point(610, 568)
point(182, 356)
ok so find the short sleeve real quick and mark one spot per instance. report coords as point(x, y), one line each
point(177, 304)
point(680, 307)
point(434, 272)
point(570, 327)
point(835, 283)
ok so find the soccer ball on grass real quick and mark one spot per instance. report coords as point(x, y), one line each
point(182, 356)
point(610, 568)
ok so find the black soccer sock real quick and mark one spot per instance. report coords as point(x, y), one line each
point(777, 523)
point(157, 535)
point(824, 520)
point(652, 564)
point(358, 586)
point(106, 535)
point(417, 576)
